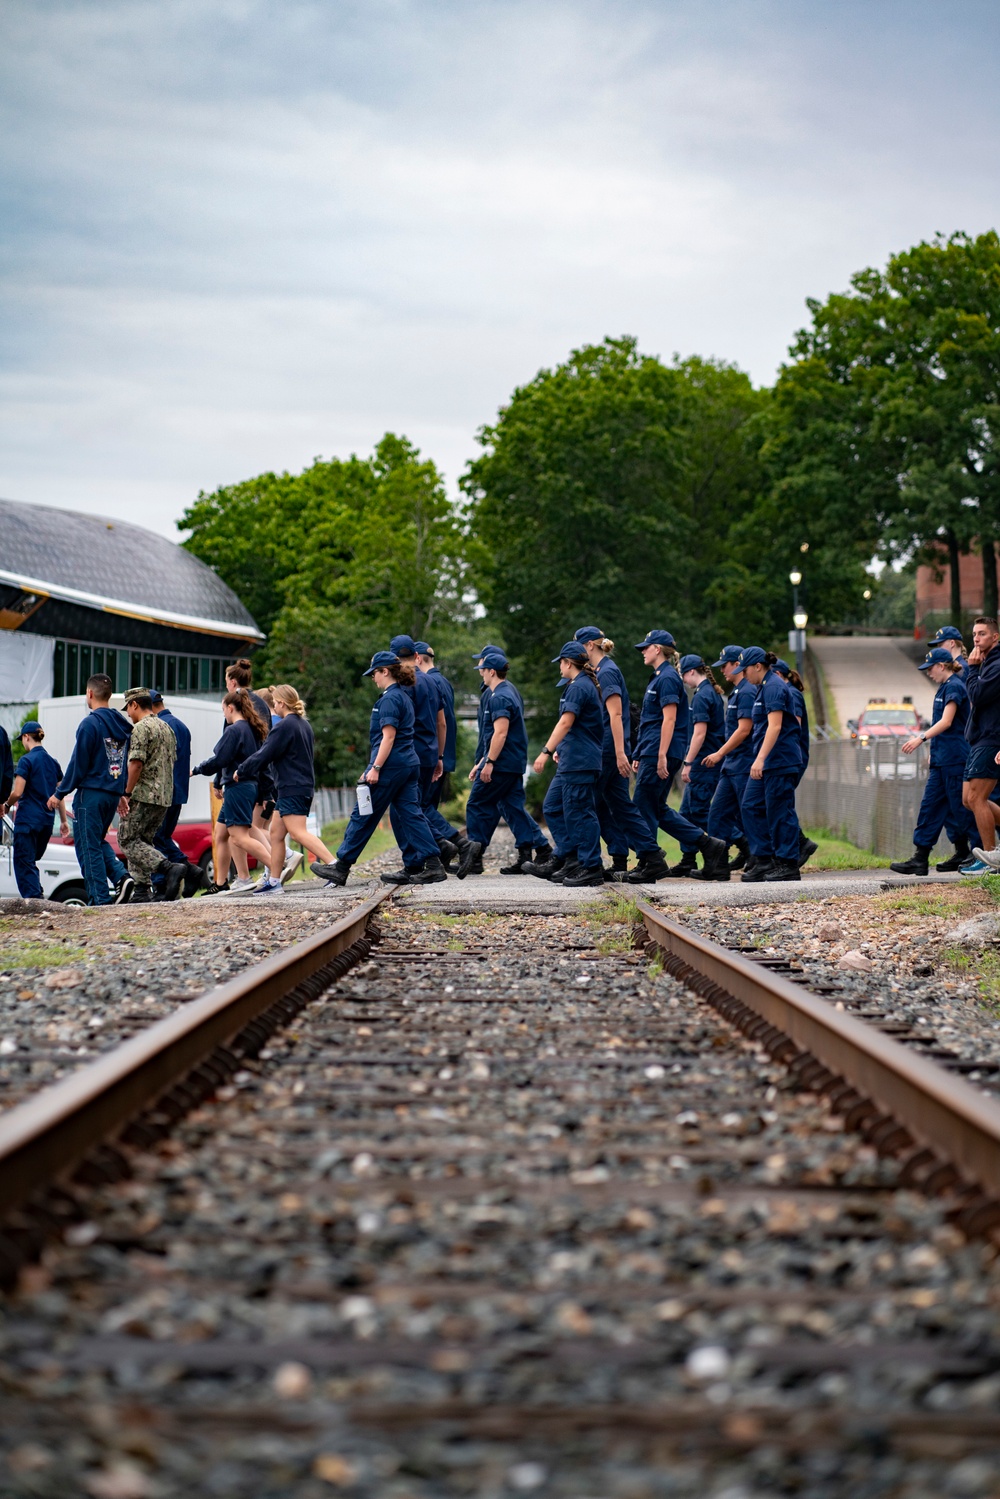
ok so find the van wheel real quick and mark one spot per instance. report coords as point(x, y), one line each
point(74, 894)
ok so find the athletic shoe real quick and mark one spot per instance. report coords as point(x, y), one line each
point(243, 887)
point(123, 890)
point(990, 856)
point(214, 889)
point(971, 871)
point(289, 867)
point(268, 887)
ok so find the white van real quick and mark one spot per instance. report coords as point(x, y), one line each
point(58, 870)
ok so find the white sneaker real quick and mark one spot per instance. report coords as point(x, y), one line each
point(990, 856)
point(242, 887)
point(269, 887)
point(289, 867)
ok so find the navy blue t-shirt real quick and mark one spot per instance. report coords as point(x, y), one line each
point(949, 750)
point(740, 705)
point(393, 710)
point(708, 707)
point(41, 775)
point(775, 696)
point(613, 684)
point(665, 687)
point(799, 709)
point(446, 697)
point(505, 702)
point(581, 749)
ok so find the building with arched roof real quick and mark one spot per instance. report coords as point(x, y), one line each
point(83, 593)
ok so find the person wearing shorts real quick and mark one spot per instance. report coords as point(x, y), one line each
point(981, 772)
point(243, 735)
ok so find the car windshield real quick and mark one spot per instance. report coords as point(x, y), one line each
point(889, 718)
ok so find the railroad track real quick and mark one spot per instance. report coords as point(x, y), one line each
point(508, 1207)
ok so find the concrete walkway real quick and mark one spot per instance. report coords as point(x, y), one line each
point(857, 667)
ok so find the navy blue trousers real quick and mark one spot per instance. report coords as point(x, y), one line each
point(93, 812)
point(441, 829)
point(164, 840)
point(622, 824)
point(501, 796)
point(570, 808)
point(769, 816)
point(651, 798)
point(398, 792)
point(941, 807)
point(697, 799)
point(29, 846)
point(725, 817)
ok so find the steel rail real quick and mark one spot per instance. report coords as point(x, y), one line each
point(945, 1118)
point(49, 1135)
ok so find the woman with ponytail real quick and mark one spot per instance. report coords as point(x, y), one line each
point(772, 827)
point(243, 735)
point(708, 733)
point(570, 805)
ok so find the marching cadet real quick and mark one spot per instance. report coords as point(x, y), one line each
point(430, 735)
point(532, 844)
point(498, 774)
point(659, 754)
point(36, 777)
point(708, 731)
point(948, 638)
point(725, 818)
point(769, 799)
point(446, 698)
point(392, 778)
point(942, 798)
point(570, 804)
point(622, 824)
point(797, 688)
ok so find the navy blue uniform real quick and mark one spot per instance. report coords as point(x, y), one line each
point(941, 803)
point(725, 818)
point(446, 695)
point(570, 804)
point(33, 820)
point(6, 765)
point(802, 714)
point(289, 749)
point(707, 707)
point(622, 824)
point(232, 752)
point(163, 839)
point(503, 794)
point(425, 695)
point(651, 792)
point(98, 773)
point(772, 828)
point(397, 789)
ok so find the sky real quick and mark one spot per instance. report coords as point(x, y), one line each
point(238, 235)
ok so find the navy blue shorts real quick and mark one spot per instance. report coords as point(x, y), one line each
point(238, 801)
point(982, 763)
point(295, 804)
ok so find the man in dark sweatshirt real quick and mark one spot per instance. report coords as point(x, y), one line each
point(981, 769)
point(6, 768)
point(98, 772)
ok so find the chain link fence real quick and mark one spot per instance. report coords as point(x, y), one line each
point(867, 793)
point(334, 803)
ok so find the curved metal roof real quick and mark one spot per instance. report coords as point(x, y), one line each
point(112, 565)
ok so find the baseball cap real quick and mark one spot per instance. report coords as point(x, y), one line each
point(656, 637)
point(31, 727)
point(422, 648)
point(752, 655)
point(402, 645)
point(572, 651)
point(493, 659)
point(588, 632)
point(690, 663)
point(381, 658)
point(938, 657)
point(729, 656)
point(947, 632)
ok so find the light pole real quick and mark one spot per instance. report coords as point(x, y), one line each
point(797, 637)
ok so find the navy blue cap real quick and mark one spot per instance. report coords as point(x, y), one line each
point(936, 658)
point(752, 655)
point(382, 658)
point(571, 651)
point(588, 632)
point(947, 632)
point(422, 648)
point(730, 655)
point(656, 637)
point(782, 667)
point(155, 696)
point(403, 645)
point(493, 659)
point(31, 727)
point(691, 663)
point(476, 654)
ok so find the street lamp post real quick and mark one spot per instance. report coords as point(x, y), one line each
point(797, 637)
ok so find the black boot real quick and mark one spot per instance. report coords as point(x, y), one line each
point(432, 873)
point(918, 864)
point(782, 869)
point(652, 866)
point(685, 868)
point(173, 879)
point(448, 852)
point(472, 854)
point(521, 857)
point(571, 866)
point(806, 849)
point(756, 870)
point(546, 868)
point(958, 858)
point(619, 865)
point(742, 856)
point(715, 853)
point(337, 872)
point(195, 878)
point(400, 876)
point(584, 874)
point(537, 856)
point(142, 895)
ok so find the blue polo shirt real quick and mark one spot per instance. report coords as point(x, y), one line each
point(799, 709)
point(582, 747)
point(775, 696)
point(446, 696)
point(949, 750)
point(740, 705)
point(665, 687)
point(426, 701)
point(393, 710)
point(613, 685)
point(505, 702)
point(708, 707)
point(41, 775)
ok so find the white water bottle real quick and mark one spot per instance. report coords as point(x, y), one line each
point(365, 806)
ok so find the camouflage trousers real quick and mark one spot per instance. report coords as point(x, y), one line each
point(135, 839)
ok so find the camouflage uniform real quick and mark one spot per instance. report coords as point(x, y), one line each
point(153, 743)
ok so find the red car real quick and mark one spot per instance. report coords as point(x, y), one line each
point(882, 720)
point(194, 839)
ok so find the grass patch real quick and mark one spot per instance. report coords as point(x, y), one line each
point(40, 955)
point(656, 966)
point(984, 967)
point(832, 853)
point(932, 902)
point(614, 915)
